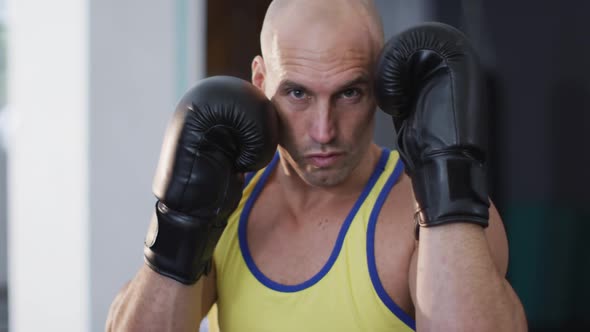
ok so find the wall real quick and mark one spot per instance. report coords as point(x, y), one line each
point(397, 15)
point(92, 86)
point(142, 58)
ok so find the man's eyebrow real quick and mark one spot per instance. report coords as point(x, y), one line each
point(288, 84)
point(291, 85)
point(360, 80)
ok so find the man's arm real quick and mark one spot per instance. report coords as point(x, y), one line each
point(429, 80)
point(222, 127)
point(152, 302)
point(457, 279)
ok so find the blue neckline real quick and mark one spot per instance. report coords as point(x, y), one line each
point(385, 298)
point(242, 227)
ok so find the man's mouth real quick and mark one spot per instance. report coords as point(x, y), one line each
point(323, 160)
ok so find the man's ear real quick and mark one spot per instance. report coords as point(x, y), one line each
point(258, 72)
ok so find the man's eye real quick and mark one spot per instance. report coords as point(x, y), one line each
point(351, 93)
point(297, 94)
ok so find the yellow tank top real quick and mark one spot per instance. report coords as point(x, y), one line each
point(345, 295)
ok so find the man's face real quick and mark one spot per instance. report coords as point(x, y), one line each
point(323, 94)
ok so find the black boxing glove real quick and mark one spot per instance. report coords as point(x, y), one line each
point(428, 78)
point(221, 128)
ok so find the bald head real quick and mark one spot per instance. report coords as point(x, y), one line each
point(319, 22)
point(317, 67)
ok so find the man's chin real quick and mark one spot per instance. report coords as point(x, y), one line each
point(325, 177)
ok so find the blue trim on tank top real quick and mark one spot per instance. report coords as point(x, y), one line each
point(242, 227)
point(248, 177)
point(387, 300)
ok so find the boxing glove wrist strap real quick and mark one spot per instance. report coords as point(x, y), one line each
point(181, 246)
point(450, 187)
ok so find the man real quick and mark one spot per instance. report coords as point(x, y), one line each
point(324, 238)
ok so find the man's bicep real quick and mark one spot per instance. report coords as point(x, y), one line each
point(497, 241)
point(413, 273)
point(209, 293)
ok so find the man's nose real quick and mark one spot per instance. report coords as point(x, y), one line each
point(323, 123)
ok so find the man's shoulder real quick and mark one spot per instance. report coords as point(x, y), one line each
point(395, 243)
point(396, 218)
point(399, 205)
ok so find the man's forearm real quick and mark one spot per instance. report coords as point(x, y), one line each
point(152, 302)
point(458, 286)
